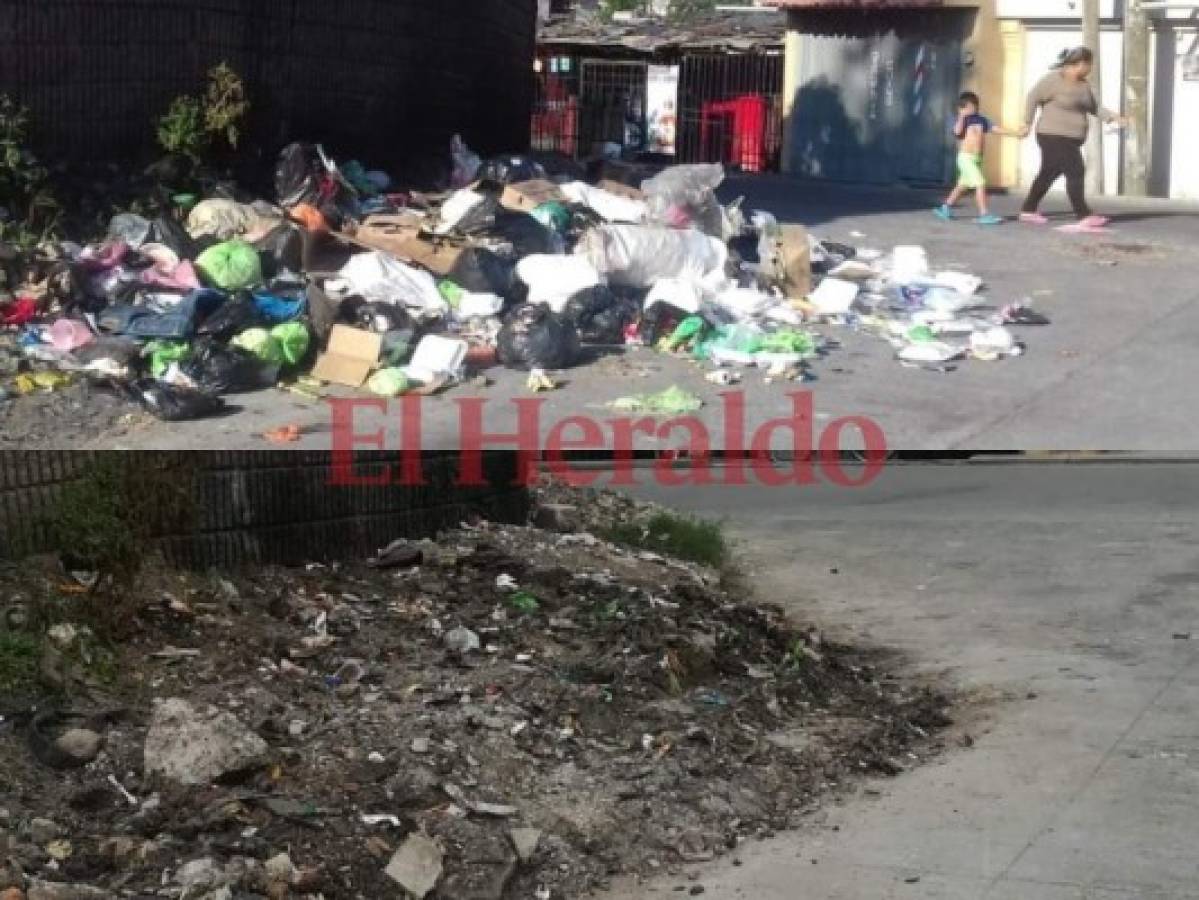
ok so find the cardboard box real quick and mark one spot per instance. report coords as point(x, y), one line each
point(793, 261)
point(621, 189)
point(401, 237)
point(526, 196)
point(352, 355)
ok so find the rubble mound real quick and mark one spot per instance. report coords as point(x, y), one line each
point(482, 716)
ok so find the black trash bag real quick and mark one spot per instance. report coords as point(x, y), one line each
point(601, 315)
point(559, 165)
point(282, 250)
point(218, 369)
point(381, 317)
point(231, 318)
point(298, 175)
point(480, 218)
point(526, 235)
point(175, 404)
point(323, 313)
point(166, 231)
point(511, 170)
point(747, 247)
point(534, 337)
point(481, 271)
point(660, 321)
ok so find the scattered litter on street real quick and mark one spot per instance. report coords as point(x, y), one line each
point(389, 293)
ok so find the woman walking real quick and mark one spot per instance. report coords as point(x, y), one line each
point(1064, 99)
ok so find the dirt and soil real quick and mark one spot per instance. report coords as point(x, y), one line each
point(498, 680)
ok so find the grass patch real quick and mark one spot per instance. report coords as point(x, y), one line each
point(693, 540)
point(20, 656)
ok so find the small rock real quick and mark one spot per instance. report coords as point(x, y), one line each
point(525, 841)
point(376, 757)
point(416, 866)
point(559, 517)
point(51, 890)
point(420, 745)
point(43, 831)
point(197, 748)
point(696, 890)
point(200, 873)
point(281, 870)
point(81, 744)
point(462, 641)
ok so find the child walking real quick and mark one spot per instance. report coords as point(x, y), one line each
point(971, 130)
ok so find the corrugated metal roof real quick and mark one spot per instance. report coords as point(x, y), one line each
point(853, 4)
point(741, 32)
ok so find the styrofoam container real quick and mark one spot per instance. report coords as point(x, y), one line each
point(436, 357)
point(834, 297)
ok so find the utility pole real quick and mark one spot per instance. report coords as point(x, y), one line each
point(1091, 40)
point(1136, 98)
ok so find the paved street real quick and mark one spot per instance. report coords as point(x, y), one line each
point(1059, 596)
point(1115, 370)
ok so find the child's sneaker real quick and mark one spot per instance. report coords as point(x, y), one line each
point(944, 213)
point(990, 219)
point(1033, 219)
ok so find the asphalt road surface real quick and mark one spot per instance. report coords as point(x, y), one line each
point(1066, 599)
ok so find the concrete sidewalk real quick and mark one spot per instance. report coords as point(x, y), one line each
point(1063, 599)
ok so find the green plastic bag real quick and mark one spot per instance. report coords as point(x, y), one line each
point(388, 383)
point(293, 340)
point(262, 344)
point(163, 353)
point(231, 266)
point(674, 401)
point(740, 338)
point(921, 334)
point(554, 216)
point(691, 329)
point(451, 293)
point(788, 340)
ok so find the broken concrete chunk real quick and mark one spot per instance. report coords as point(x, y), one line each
point(80, 745)
point(195, 748)
point(525, 841)
point(416, 866)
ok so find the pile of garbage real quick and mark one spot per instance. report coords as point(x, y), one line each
point(472, 718)
point(344, 281)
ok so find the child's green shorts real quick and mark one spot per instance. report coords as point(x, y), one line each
point(970, 171)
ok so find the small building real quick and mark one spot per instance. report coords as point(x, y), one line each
point(710, 90)
point(871, 86)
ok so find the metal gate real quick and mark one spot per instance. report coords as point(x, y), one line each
point(731, 110)
point(612, 99)
point(878, 107)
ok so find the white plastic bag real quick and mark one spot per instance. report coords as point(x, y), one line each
point(553, 280)
point(909, 264)
point(638, 255)
point(609, 206)
point(454, 210)
point(834, 297)
point(744, 303)
point(379, 278)
point(681, 293)
point(961, 282)
point(436, 357)
point(478, 306)
point(930, 352)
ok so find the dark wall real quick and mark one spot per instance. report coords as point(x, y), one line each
point(387, 80)
point(266, 506)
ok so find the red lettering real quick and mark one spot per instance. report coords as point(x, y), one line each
point(345, 439)
point(472, 438)
point(699, 450)
point(734, 438)
point(622, 447)
point(830, 451)
point(800, 425)
point(593, 439)
point(412, 468)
